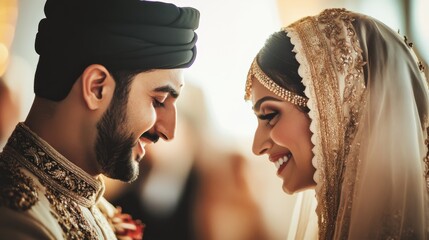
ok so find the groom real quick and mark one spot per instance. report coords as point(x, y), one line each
point(108, 76)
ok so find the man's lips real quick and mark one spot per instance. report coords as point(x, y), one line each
point(152, 137)
point(140, 149)
point(145, 141)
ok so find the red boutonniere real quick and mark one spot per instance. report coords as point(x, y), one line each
point(127, 228)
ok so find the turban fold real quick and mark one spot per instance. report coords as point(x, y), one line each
point(119, 34)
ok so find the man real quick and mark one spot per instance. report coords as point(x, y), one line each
point(108, 76)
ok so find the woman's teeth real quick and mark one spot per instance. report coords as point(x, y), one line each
point(282, 161)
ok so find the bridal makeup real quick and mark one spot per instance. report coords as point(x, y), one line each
point(283, 134)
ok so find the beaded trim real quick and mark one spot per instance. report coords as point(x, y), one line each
point(256, 72)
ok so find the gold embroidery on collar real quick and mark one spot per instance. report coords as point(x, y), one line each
point(52, 168)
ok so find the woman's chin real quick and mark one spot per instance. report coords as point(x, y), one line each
point(294, 189)
point(288, 190)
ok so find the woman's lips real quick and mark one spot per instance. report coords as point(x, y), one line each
point(281, 161)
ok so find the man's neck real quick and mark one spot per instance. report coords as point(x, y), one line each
point(62, 129)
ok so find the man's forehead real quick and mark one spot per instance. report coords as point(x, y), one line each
point(177, 75)
point(159, 77)
point(175, 79)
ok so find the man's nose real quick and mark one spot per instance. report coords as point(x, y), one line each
point(165, 126)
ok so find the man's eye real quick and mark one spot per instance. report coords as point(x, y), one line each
point(156, 103)
point(268, 117)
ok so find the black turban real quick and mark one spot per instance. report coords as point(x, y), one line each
point(119, 34)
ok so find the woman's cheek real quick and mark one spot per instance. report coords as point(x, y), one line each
point(280, 135)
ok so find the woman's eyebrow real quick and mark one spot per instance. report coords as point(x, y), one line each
point(260, 101)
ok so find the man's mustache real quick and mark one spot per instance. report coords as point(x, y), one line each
point(151, 136)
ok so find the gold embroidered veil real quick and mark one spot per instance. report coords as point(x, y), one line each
point(368, 101)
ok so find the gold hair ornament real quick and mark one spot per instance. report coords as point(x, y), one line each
point(256, 72)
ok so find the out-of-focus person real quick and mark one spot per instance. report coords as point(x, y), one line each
point(10, 104)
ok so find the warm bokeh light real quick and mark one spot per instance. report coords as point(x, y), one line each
point(230, 34)
point(8, 16)
point(4, 55)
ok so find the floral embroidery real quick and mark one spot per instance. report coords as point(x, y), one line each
point(67, 187)
point(53, 168)
point(69, 216)
point(347, 54)
point(331, 65)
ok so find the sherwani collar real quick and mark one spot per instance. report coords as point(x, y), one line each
point(50, 166)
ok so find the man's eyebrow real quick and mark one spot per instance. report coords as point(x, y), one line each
point(168, 89)
point(260, 101)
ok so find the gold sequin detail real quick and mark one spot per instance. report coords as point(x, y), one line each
point(421, 66)
point(410, 45)
point(331, 47)
point(69, 216)
point(394, 228)
point(255, 72)
point(53, 168)
point(67, 187)
point(17, 191)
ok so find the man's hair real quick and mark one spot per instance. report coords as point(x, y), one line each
point(123, 80)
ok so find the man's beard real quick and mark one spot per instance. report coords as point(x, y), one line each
point(114, 144)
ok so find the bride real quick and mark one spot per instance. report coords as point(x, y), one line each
point(342, 106)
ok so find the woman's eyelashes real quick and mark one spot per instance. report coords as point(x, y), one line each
point(269, 117)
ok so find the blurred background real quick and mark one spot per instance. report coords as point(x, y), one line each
point(206, 183)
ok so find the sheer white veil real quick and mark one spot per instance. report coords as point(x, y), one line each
point(391, 199)
point(369, 105)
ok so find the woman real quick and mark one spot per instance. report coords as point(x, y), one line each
point(342, 107)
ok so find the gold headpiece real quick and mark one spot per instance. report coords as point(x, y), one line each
point(256, 72)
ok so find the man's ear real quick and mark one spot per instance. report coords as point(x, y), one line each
point(97, 86)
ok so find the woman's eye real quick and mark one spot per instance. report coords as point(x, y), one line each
point(269, 118)
point(156, 103)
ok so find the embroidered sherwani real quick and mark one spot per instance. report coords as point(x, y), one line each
point(45, 196)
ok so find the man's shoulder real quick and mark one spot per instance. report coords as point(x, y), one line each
point(24, 225)
point(17, 190)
